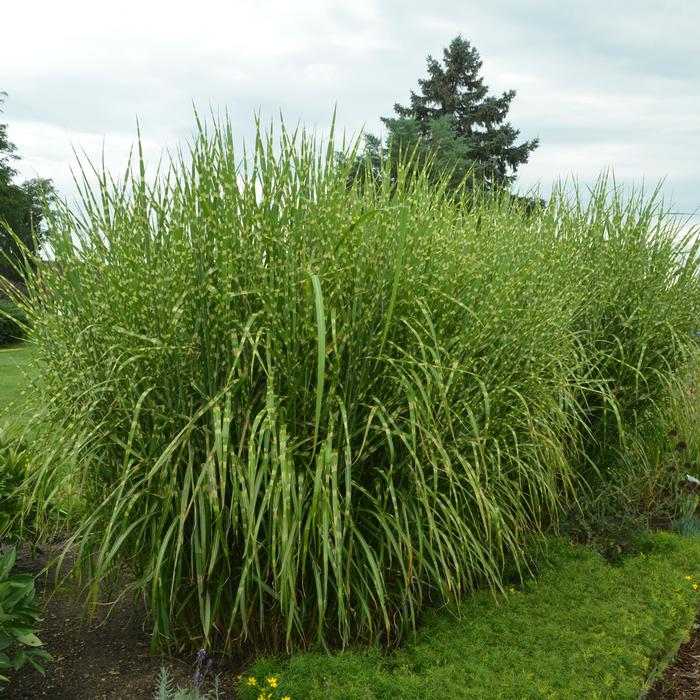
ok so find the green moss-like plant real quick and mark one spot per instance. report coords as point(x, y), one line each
point(584, 629)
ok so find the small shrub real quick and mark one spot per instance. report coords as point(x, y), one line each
point(167, 690)
point(19, 615)
point(12, 323)
point(608, 525)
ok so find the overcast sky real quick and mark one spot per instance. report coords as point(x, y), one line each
point(601, 83)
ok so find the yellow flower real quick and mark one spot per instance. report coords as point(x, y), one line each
point(272, 682)
point(687, 578)
point(513, 589)
point(286, 697)
point(264, 696)
point(251, 681)
point(642, 555)
point(695, 586)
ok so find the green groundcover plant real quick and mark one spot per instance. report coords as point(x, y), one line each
point(296, 412)
point(584, 629)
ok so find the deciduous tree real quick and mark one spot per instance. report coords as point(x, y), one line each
point(21, 207)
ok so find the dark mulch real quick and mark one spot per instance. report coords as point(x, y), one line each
point(107, 658)
point(681, 681)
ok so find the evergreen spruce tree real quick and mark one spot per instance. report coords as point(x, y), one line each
point(456, 123)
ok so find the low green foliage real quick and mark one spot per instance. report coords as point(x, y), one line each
point(585, 629)
point(300, 411)
point(11, 478)
point(166, 689)
point(268, 687)
point(19, 616)
point(687, 526)
point(12, 323)
point(649, 483)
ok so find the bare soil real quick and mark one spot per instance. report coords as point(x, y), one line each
point(107, 658)
point(681, 681)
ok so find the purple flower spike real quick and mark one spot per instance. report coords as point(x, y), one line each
point(197, 678)
point(201, 655)
point(210, 662)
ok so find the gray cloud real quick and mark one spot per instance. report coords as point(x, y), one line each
point(603, 84)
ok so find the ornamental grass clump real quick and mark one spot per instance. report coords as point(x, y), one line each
point(296, 411)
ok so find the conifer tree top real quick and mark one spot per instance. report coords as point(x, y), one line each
point(454, 100)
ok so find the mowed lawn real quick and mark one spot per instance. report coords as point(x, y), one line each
point(15, 374)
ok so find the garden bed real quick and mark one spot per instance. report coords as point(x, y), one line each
point(584, 628)
point(107, 658)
